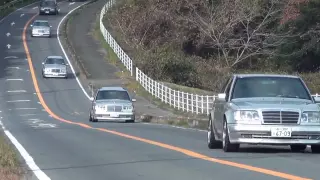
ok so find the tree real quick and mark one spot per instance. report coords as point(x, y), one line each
point(238, 30)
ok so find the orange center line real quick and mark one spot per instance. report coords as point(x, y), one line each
point(163, 145)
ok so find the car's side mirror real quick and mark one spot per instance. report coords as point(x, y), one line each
point(31, 25)
point(42, 62)
point(91, 98)
point(222, 97)
point(133, 100)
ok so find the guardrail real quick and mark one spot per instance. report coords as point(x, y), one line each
point(194, 103)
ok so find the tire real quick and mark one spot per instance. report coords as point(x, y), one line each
point(212, 143)
point(226, 145)
point(298, 147)
point(315, 149)
point(131, 121)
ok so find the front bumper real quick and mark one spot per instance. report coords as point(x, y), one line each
point(120, 117)
point(41, 34)
point(55, 75)
point(49, 12)
point(261, 134)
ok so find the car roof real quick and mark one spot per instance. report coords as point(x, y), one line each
point(54, 57)
point(265, 75)
point(112, 88)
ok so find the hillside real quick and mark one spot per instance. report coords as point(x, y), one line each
point(198, 43)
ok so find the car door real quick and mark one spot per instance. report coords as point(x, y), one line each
point(218, 107)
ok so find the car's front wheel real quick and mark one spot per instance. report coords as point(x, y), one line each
point(226, 144)
point(212, 142)
point(297, 147)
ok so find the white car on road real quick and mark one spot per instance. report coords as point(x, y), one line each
point(40, 28)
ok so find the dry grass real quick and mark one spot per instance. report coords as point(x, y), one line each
point(9, 163)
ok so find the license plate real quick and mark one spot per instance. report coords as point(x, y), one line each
point(114, 115)
point(55, 74)
point(281, 132)
point(47, 12)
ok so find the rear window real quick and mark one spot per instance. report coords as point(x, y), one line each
point(47, 3)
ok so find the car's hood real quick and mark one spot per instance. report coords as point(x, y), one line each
point(114, 102)
point(54, 66)
point(276, 103)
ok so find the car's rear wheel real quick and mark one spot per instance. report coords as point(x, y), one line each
point(315, 149)
point(212, 143)
point(297, 147)
point(226, 144)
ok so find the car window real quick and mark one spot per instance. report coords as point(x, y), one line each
point(112, 94)
point(47, 3)
point(248, 87)
point(40, 23)
point(55, 61)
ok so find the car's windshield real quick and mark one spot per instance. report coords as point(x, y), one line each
point(47, 3)
point(248, 87)
point(112, 94)
point(54, 61)
point(41, 23)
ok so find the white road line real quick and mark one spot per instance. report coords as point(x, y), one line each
point(35, 7)
point(16, 91)
point(64, 52)
point(8, 46)
point(18, 101)
point(13, 23)
point(28, 159)
point(8, 34)
point(9, 57)
point(71, 3)
point(14, 79)
point(13, 68)
point(24, 108)
point(21, 15)
point(26, 156)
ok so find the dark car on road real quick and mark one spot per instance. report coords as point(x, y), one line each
point(48, 7)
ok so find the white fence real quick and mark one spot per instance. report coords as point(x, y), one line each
point(184, 101)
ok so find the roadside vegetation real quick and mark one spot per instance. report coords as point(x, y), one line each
point(10, 168)
point(196, 43)
point(5, 9)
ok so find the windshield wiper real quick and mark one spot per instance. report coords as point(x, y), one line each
point(288, 96)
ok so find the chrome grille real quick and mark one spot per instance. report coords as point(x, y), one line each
point(114, 108)
point(280, 117)
point(55, 70)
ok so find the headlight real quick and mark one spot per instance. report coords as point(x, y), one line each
point(310, 118)
point(247, 117)
point(128, 108)
point(99, 107)
point(63, 70)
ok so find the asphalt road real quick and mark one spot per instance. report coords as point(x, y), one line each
point(52, 125)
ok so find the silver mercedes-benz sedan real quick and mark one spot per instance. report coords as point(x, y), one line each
point(112, 103)
point(40, 28)
point(264, 109)
point(54, 66)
